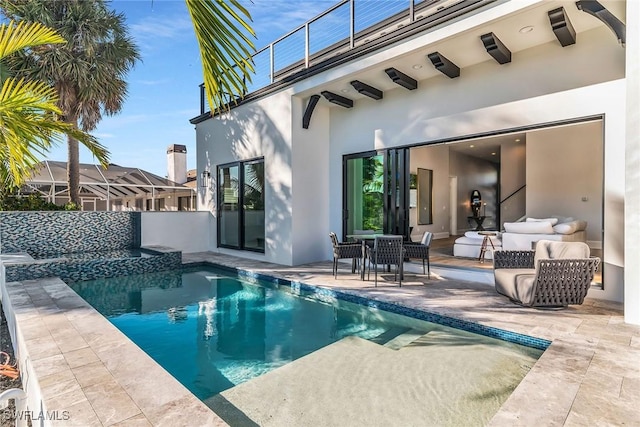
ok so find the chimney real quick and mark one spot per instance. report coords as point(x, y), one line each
point(177, 163)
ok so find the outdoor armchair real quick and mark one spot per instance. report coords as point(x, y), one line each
point(345, 250)
point(386, 250)
point(556, 274)
point(420, 250)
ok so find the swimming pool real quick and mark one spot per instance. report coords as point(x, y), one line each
point(213, 330)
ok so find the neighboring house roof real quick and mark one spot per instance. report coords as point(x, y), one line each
point(113, 182)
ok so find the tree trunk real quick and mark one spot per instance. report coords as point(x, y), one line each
point(73, 170)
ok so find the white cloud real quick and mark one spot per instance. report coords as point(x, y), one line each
point(153, 82)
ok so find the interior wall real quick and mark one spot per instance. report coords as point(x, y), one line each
point(513, 168)
point(475, 174)
point(435, 158)
point(565, 175)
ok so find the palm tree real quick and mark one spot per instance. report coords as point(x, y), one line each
point(88, 72)
point(29, 123)
point(224, 38)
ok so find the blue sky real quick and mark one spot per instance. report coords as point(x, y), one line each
point(163, 87)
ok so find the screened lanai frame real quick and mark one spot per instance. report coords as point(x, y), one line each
point(115, 182)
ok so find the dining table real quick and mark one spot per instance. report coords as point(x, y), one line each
point(367, 239)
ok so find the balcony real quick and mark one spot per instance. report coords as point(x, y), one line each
point(347, 29)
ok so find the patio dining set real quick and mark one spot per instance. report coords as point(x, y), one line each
point(369, 250)
point(552, 275)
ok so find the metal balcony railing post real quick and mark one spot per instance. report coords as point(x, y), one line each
point(412, 15)
point(306, 45)
point(202, 98)
point(272, 63)
point(352, 25)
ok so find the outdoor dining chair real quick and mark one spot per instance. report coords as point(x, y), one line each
point(386, 250)
point(345, 251)
point(420, 251)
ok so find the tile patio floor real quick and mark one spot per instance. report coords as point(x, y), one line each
point(590, 375)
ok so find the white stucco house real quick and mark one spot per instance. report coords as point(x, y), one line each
point(534, 103)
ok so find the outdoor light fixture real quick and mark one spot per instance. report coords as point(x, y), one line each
point(561, 26)
point(334, 98)
point(443, 65)
point(367, 90)
point(204, 182)
point(306, 119)
point(401, 79)
point(593, 7)
point(496, 48)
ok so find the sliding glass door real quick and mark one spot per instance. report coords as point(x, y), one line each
point(375, 193)
point(241, 219)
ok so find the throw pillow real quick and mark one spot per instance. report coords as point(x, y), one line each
point(542, 227)
point(552, 221)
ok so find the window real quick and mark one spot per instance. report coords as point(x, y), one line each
point(184, 203)
point(241, 205)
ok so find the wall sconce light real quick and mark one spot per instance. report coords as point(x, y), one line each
point(204, 182)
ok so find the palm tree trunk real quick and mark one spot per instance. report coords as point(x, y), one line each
point(73, 167)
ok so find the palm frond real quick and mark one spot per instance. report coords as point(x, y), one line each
point(223, 35)
point(15, 37)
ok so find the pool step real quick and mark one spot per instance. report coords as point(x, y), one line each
point(389, 335)
point(404, 339)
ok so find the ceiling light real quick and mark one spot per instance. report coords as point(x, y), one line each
point(525, 30)
point(344, 90)
point(471, 146)
point(517, 140)
point(416, 66)
point(493, 154)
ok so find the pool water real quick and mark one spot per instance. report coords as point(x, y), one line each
point(213, 331)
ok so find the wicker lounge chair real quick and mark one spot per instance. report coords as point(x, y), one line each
point(386, 250)
point(345, 251)
point(420, 250)
point(556, 274)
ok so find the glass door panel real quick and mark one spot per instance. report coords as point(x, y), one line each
point(364, 194)
point(253, 205)
point(376, 193)
point(229, 208)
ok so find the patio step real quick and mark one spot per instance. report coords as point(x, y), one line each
point(389, 335)
point(404, 339)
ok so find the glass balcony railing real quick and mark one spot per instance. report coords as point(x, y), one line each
point(345, 26)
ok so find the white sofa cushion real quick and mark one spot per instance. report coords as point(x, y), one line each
point(552, 221)
point(534, 227)
point(570, 227)
point(523, 242)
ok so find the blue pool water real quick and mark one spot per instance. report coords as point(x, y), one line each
point(212, 330)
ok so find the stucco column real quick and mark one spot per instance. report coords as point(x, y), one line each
point(632, 168)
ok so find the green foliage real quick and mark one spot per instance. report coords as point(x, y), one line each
point(226, 44)
point(32, 202)
point(71, 206)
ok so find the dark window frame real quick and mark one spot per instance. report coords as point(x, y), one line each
point(241, 214)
